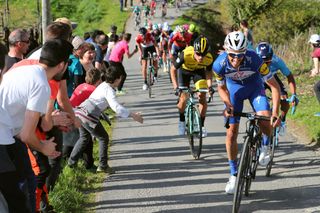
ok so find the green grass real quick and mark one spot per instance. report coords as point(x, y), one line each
point(75, 187)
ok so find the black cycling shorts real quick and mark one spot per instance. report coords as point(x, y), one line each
point(146, 50)
point(184, 76)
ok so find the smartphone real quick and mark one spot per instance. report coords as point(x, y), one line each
point(136, 47)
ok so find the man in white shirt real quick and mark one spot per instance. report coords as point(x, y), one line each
point(24, 94)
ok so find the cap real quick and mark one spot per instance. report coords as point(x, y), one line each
point(314, 39)
point(77, 42)
point(65, 20)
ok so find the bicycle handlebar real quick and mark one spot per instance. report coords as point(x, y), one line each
point(250, 116)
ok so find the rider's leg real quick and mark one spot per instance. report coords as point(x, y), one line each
point(203, 105)
point(144, 70)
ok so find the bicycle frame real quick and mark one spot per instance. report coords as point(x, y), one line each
point(150, 72)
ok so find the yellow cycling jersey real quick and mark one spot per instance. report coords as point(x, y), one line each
point(187, 61)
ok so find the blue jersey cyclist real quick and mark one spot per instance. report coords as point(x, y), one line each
point(275, 64)
point(240, 74)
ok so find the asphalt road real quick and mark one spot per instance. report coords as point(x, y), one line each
point(156, 173)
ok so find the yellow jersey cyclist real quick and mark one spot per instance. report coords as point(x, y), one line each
point(275, 64)
point(195, 62)
point(240, 73)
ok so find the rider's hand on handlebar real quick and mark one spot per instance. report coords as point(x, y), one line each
point(275, 121)
point(176, 91)
point(294, 100)
point(228, 112)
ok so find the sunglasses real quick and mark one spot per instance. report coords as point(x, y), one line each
point(237, 55)
point(200, 54)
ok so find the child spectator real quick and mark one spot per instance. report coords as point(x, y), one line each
point(89, 112)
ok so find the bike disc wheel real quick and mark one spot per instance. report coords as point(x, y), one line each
point(242, 175)
point(272, 145)
point(195, 133)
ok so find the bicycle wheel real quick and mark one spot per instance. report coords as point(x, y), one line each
point(169, 67)
point(272, 146)
point(242, 175)
point(194, 132)
point(150, 80)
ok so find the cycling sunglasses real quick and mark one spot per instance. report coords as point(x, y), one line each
point(200, 54)
point(237, 55)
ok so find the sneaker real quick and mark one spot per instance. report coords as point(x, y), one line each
point(165, 68)
point(231, 184)
point(204, 132)
point(145, 87)
point(155, 79)
point(282, 128)
point(182, 127)
point(264, 157)
point(107, 170)
point(317, 114)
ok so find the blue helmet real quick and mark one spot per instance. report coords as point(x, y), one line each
point(264, 50)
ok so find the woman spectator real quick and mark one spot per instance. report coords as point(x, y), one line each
point(86, 59)
point(315, 42)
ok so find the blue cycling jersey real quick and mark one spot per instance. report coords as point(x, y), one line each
point(244, 82)
point(278, 64)
point(251, 69)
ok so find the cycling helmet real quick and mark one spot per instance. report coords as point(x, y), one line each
point(179, 29)
point(235, 41)
point(264, 50)
point(186, 27)
point(201, 45)
point(165, 28)
point(155, 27)
point(143, 31)
point(314, 39)
point(160, 26)
point(192, 28)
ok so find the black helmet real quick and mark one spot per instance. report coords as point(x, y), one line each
point(201, 45)
point(143, 30)
point(264, 50)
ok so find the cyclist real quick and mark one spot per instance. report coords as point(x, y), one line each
point(238, 73)
point(164, 39)
point(147, 44)
point(179, 41)
point(136, 12)
point(164, 4)
point(153, 6)
point(194, 62)
point(264, 50)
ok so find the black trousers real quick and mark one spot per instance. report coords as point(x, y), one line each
point(125, 3)
point(317, 90)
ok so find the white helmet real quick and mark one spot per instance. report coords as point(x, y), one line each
point(235, 41)
point(314, 39)
point(165, 28)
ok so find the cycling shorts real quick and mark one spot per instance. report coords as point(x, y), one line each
point(256, 95)
point(146, 50)
point(184, 76)
point(283, 90)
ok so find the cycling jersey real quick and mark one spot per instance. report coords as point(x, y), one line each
point(251, 69)
point(187, 61)
point(136, 10)
point(278, 64)
point(245, 82)
point(146, 41)
point(180, 40)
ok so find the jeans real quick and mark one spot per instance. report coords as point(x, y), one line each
point(85, 137)
point(121, 5)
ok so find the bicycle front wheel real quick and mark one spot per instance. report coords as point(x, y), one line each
point(194, 132)
point(242, 175)
point(150, 80)
point(272, 146)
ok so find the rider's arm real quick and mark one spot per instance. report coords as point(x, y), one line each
point(173, 72)
point(286, 72)
point(209, 75)
point(222, 89)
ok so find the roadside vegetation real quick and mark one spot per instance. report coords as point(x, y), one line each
point(287, 25)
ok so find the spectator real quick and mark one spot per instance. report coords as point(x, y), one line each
point(86, 59)
point(315, 42)
point(18, 46)
point(86, 36)
point(80, 94)
point(19, 121)
point(116, 58)
point(89, 113)
point(317, 91)
point(121, 5)
point(75, 68)
point(113, 31)
point(125, 3)
point(100, 47)
point(33, 41)
point(113, 39)
point(248, 33)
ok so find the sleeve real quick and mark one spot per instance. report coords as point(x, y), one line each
point(126, 49)
point(179, 61)
point(115, 106)
point(138, 39)
point(38, 98)
point(283, 68)
point(218, 71)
